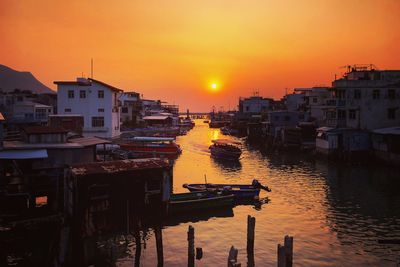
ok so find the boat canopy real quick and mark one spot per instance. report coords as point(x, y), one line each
point(225, 142)
point(152, 139)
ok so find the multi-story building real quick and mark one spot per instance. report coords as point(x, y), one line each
point(366, 98)
point(131, 107)
point(254, 104)
point(96, 101)
point(25, 107)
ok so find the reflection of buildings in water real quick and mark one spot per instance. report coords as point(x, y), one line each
point(227, 165)
point(109, 250)
point(363, 205)
point(283, 159)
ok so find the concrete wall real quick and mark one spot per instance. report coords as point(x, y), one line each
point(372, 113)
point(255, 105)
point(89, 107)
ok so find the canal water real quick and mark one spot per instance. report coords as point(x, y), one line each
point(337, 213)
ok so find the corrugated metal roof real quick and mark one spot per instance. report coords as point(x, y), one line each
point(24, 154)
point(110, 167)
point(390, 130)
point(89, 141)
point(44, 130)
point(14, 145)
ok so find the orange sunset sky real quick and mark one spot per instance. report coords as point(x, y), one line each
point(174, 50)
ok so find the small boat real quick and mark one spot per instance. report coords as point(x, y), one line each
point(229, 131)
point(225, 149)
point(200, 200)
point(152, 146)
point(240, 191)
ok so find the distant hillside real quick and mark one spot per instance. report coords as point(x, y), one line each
point(11, 79)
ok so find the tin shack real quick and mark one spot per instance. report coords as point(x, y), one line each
point(105, 196)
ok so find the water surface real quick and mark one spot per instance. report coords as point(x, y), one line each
point(336, 212)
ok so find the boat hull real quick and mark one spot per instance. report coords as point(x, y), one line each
point(195, 201)
point(158, 150)
point(219, 152)
point(239, 191)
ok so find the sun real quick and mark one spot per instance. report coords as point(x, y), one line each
point(214, 87)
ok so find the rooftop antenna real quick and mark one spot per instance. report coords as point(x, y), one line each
point(91, 68)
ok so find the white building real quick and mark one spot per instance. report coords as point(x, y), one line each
point(131, 107)
point(254, 104)
point(367, 99)
point(96, 101)
point(31, 111)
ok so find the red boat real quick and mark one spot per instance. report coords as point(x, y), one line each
point(153, 146)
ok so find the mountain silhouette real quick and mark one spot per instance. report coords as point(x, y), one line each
point(23, 80)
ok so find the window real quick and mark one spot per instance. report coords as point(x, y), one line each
point(20, 99)
point(287, 118)
point(100, 94)
point(341, 114)
point(376, 94)
point(391, 113)
point(391, 94)
point(97, 121)
point(124, 110)
point(247, 108)
point(100, 110)
point(71, 94)
point(357, 94)
point(67, 110)
point(352, 114)
point(82, 94)
point(314, 100)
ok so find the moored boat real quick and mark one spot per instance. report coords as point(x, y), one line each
point(240, 191)
point(225, 149)
point(200, 200)
point(152, 146)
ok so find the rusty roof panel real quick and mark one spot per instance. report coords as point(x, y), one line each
point(89, 141)
point(110, 167)
point(44, 130)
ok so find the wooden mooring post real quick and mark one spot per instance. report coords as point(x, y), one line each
point(251, 224)
point(191, 254)
point(285, 252)
point(159, 245)
point(232, 258)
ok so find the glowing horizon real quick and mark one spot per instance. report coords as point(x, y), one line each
point(176, 51)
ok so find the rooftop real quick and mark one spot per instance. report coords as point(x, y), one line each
point(89, 141)
point(390, 130)
point(156, 117)
point(43, 130)
point(110, 167)
point(65, 115)
point(14, 145)
point(87, 82)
